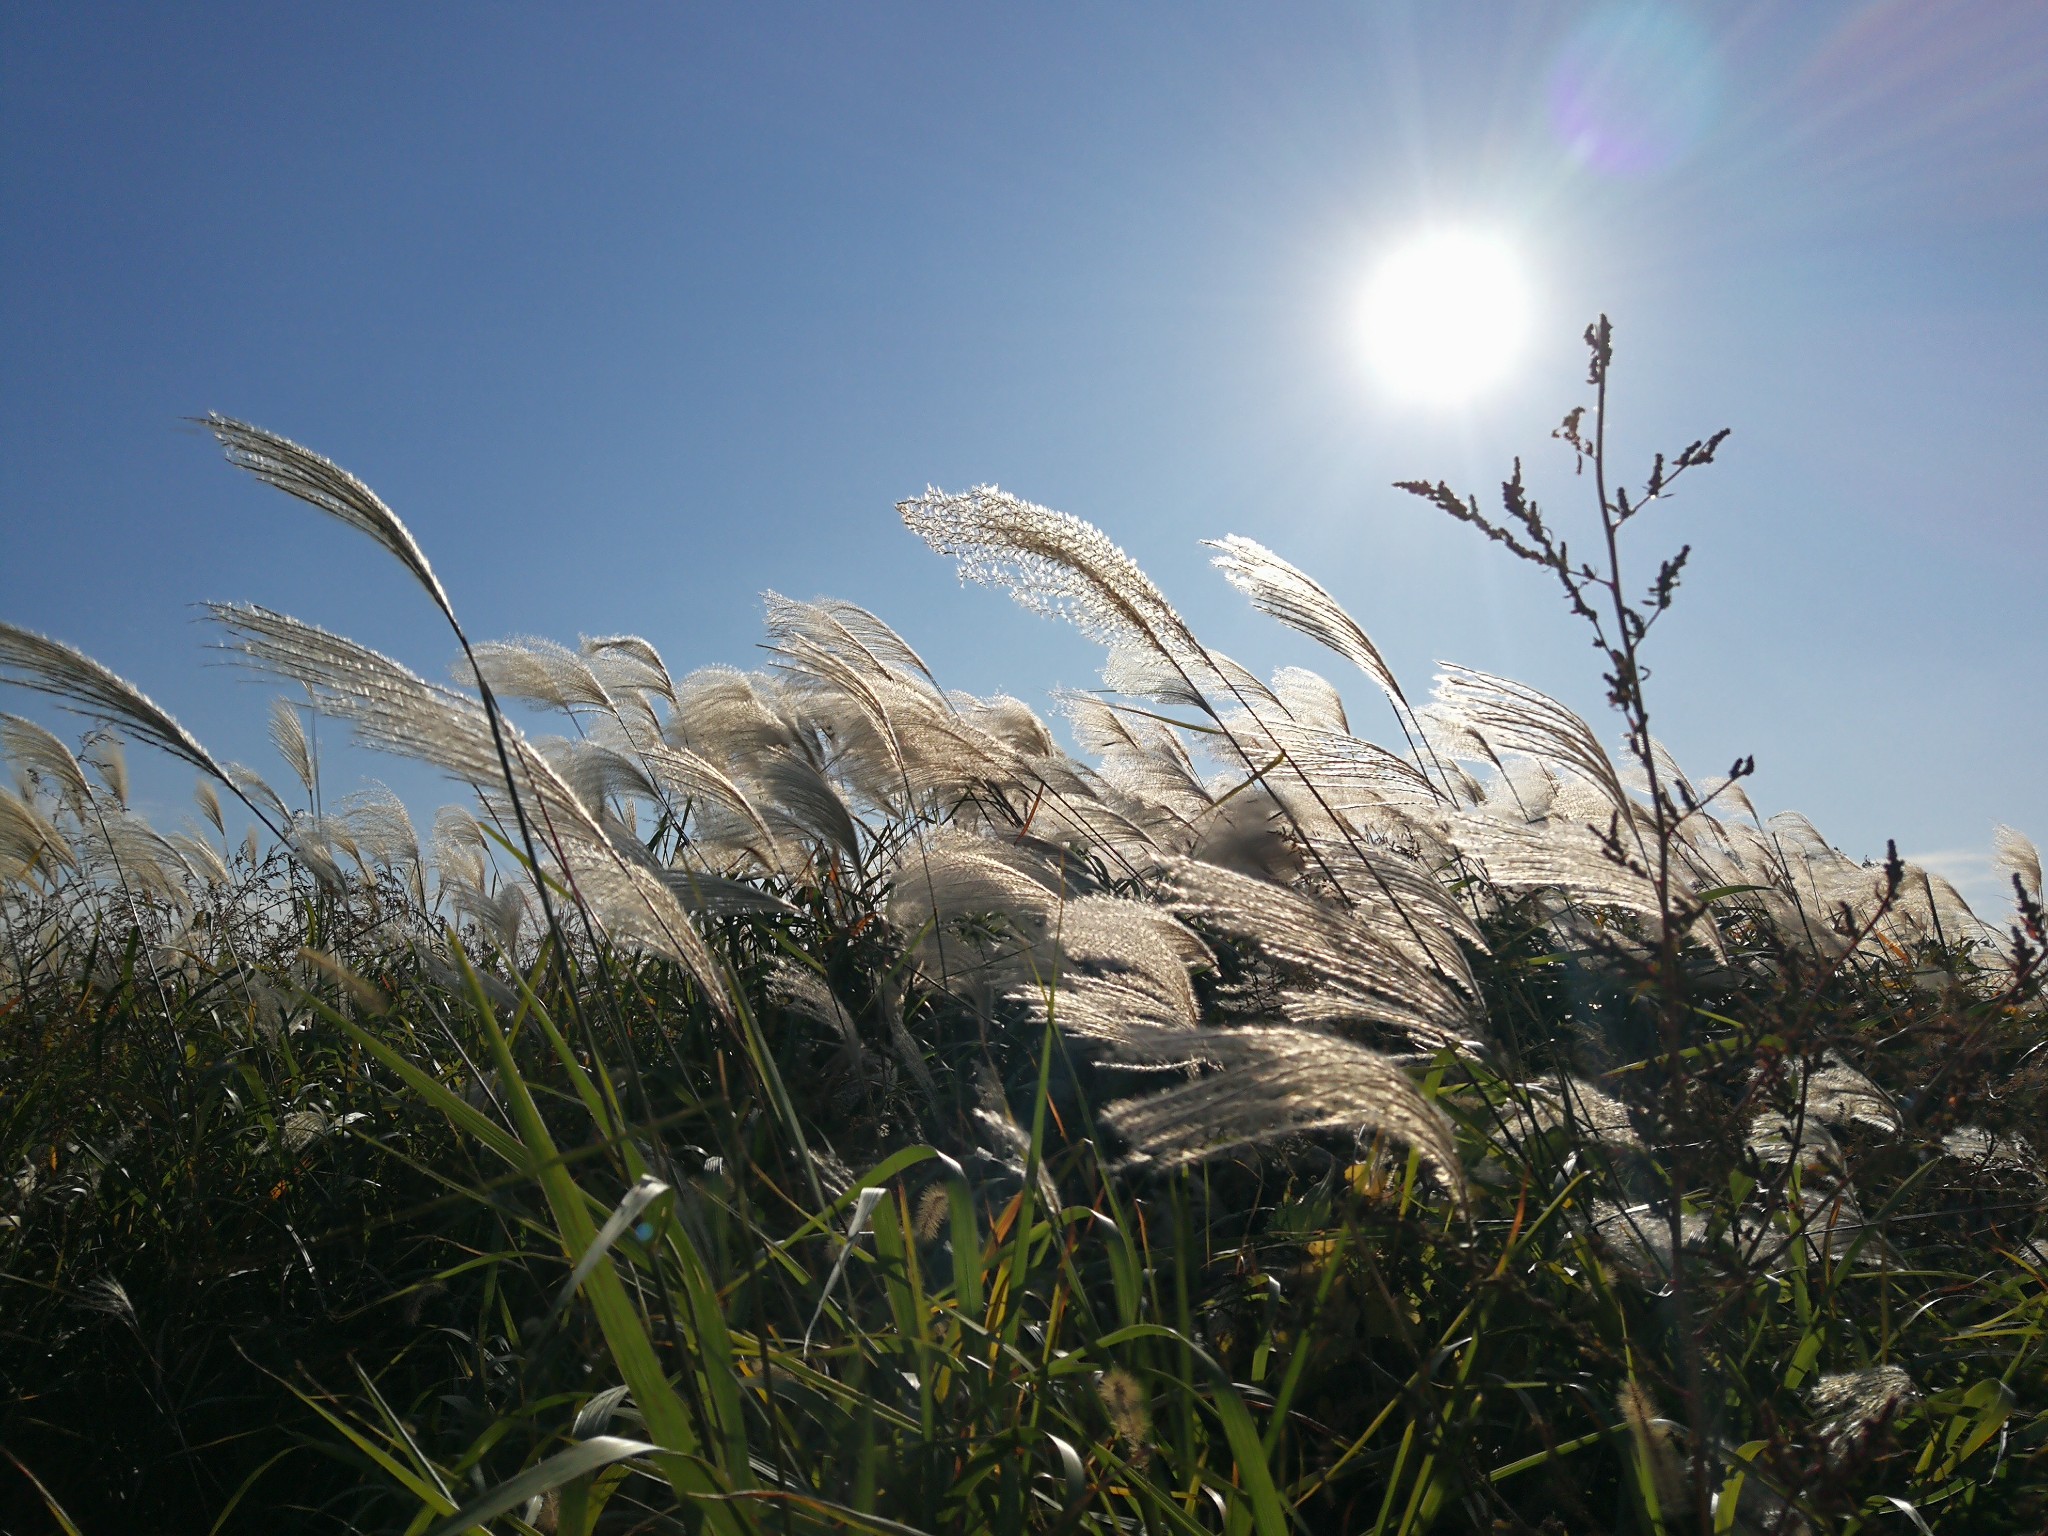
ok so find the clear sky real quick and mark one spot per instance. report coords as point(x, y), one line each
point(635, 311)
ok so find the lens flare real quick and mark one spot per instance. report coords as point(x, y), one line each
point(1633, 89)
point(1446, 316)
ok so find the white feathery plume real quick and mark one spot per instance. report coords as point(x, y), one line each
point(122, 847)
point(322, 483)
point(537, 671)
point(312, 842)
point(1838, 1095)
point(392, 709)
point(806, 993)
point(1343, 768)
point(1514, 718)
point(252, 789)
point(103, 752)
point(26, 837)
point(1059, 565)
point(1311, 699)
point(459, 847)
point(685, 777)
point(961, 877)
point(499, 914)
point(849, 632)
point(288, 735)
point(209, 805)
point(1140, 757)
point(1560, 855)
point(1399, 886)
point(1559, 1102)
point(82, 685)
point(1052, 563)
point(1993, 1152)
point(1848, 1403)
point(40, 751)
point(1113, 967)
point(1367, 972)
point(803, 803)
point(1296, 599)
point(598, 773)
point(628, 662)
point(1778, 1139)
point(1009, 721)
point(1930, 907)
point(721, 713)
point(718, 896)
point(1638, 1237)
point(1273, 1082)
point(200, 856)
point(1240, 681)
point(2015, 852)
point(381, 830)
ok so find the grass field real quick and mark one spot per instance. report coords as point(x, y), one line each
point(811, 1100)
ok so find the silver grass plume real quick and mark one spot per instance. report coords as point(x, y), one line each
point(1561, 855)
point(30, 746)
point(1115, 969)
point(806, 993)
point(209, 806)
point(1849, 1404)
point(1836, 1094)
point(1638, 1237)
point(82, 685)
point(288, 735)
point(1367, 971)
point(1275, 1081)
point(382, 832)
point(201, 857)
point(1284, 592)
point(395, 710)
point(389, 706)
point(1140, 756)
point(1060, 565)
point(459, 848)
point(26, 838)
point(2015, 852)
point(106, 754)
point(684, 776)
point(1568, 1103)
point(1311, 699)
point(848, 631)
point(1515, 718)
point(539, 672)
point(129, 851)
point(1777, 1140)
point(1052, 563)
point(321, 483)
point(1995, 1153)
point(498, 914)
point(250, 786)
point(1342, 767)
point(631, 662)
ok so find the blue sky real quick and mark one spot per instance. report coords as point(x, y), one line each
point(635, 311)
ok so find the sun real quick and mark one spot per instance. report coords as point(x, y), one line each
point(1445, 316)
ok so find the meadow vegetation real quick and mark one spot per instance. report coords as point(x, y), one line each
point(808, 1099)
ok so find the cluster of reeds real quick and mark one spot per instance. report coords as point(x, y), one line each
point(809, 1099)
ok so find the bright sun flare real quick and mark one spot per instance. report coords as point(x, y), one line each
point(1445, 316)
